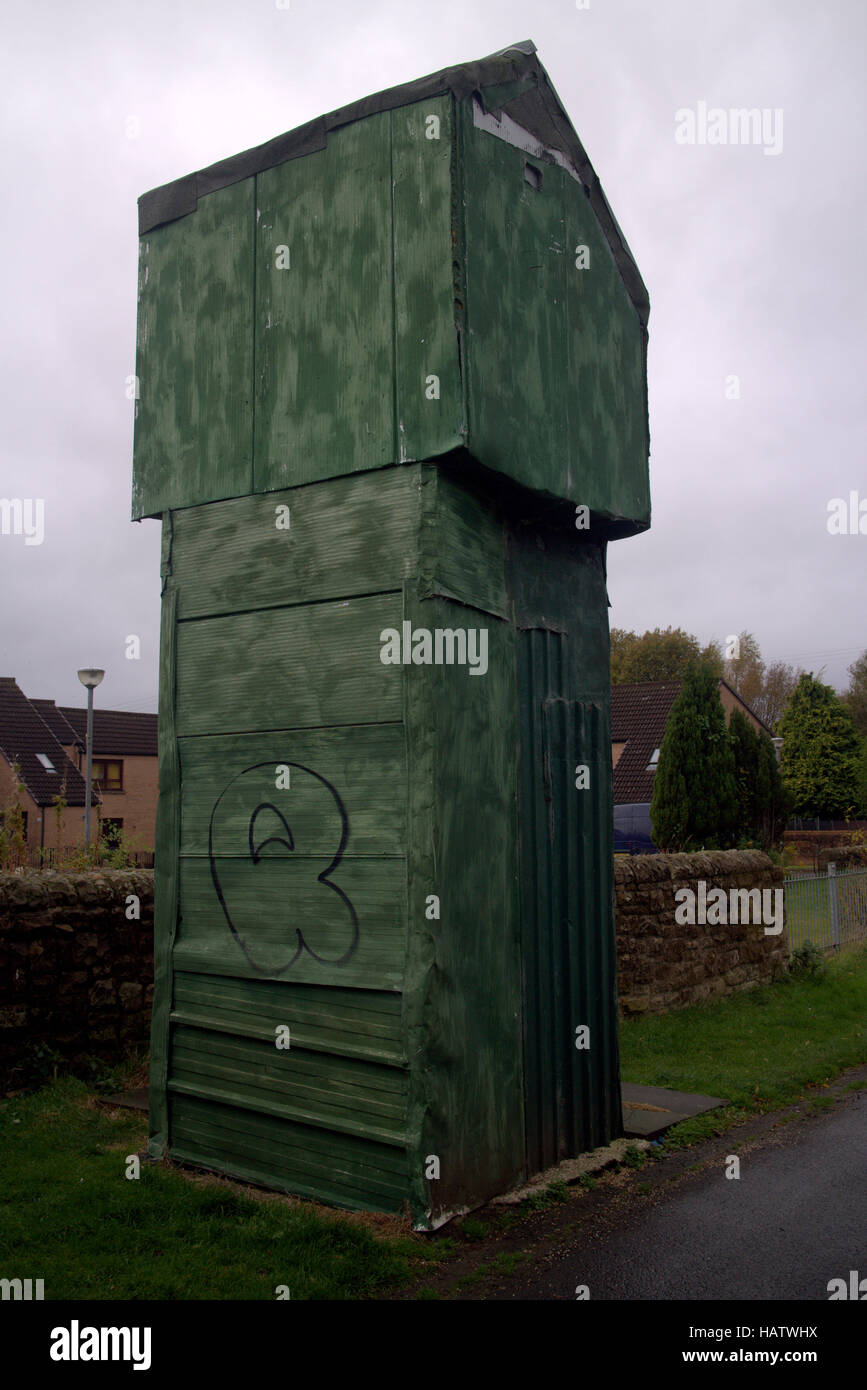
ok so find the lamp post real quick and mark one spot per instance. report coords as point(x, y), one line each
point(89, 677)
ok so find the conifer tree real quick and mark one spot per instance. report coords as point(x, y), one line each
point(694, 804)
point(820, 752)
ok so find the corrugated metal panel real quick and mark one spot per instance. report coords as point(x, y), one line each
point(572, 1095)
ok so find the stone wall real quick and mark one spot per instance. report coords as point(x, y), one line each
point(663, 964)
point(76, 974)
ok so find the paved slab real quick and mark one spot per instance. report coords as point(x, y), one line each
point(650, 1110)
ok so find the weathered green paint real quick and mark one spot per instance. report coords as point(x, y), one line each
point(166, 854)
point(314, 801)
point(424, 292)
point(324, 343)
point(398, 295)
point(321, 547)
point(555, 359)
point(194, 412)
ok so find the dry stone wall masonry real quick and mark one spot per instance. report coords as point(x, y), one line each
point(665, 964)
point(76, 967)
point(76, 964)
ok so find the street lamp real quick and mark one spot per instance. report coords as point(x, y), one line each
point(89, 677)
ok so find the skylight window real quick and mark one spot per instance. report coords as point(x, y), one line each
point(46, 762)
point(654, 759)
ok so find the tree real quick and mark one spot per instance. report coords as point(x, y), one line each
point(862, 779)
point(777, 690)
point(745, 748)
point(694, 802)
point(772, 800)
point(820, 752)
point(856, 694)
point(660, 655)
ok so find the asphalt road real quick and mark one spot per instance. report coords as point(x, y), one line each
point(796, 1218)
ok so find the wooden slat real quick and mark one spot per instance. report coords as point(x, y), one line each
point(345, 1169)
point(424, 290)
point(286, 668)
point(463, 546)
point(365, 767)
point(355, 535)
point(270, 901)
point(194, 422)
point(324, 348)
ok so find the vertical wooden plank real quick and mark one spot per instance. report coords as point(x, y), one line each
point(166, 870)
point(604, 365)
point(194, 361)
point(324, 372)
point(516, 367)
point(429, 413)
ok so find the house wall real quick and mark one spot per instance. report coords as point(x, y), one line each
point(71, 830)
point(731, 702)
point(136, 805)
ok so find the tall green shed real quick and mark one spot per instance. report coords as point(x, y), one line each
point(392, 407)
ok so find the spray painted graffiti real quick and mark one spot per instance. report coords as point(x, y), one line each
point(261, 869)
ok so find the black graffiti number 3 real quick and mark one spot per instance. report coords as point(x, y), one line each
point(286, 839)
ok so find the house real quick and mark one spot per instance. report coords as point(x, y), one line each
point(45, 771)
point(124, 763)
point(639, 715)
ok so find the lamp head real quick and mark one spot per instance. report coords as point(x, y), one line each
point(90, 677)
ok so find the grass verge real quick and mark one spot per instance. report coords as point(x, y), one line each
point(759, 1049)
point(70, 1216)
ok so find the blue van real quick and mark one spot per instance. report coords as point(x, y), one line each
point(632, 833)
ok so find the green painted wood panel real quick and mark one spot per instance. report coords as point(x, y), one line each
point(463, 972)
point(350, 1096)
point(606, 388)
point(516, 341)
point(555, 354)
point(166, 876)
point(313, 665)
point(362, 769)
point(430, 415)
point(248, 919)
point(345, 1022)
point(343, 1169)
point(194, 421)
point(462, 542)
point(324, 325)
point(352, 535)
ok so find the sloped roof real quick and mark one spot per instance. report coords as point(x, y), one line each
point(511, 81)
point(57, 722)
point(115, 732)
point(23, 735)
point(639, 714)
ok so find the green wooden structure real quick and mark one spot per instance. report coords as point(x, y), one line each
point(392, 408)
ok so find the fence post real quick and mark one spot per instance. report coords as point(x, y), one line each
point(832, 899)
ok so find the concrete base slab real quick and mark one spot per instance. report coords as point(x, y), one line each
point(571, 1169)
point(650, 1110)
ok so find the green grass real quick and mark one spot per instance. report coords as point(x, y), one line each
point(759, 1049)
point(68, 1215)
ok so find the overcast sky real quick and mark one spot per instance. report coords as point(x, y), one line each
point(753, 262)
